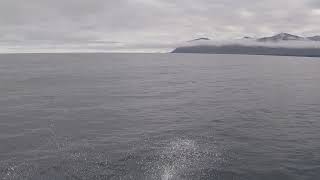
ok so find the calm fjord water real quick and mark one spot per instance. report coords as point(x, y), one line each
point(159, 116)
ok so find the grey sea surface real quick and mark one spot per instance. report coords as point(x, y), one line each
point(159, 116)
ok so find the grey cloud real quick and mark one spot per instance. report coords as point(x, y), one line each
point(151, 21)
point(314, 3)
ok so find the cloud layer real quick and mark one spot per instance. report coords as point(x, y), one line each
point(134, 23)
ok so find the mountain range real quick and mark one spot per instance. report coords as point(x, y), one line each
point(275, 38)
point(282, 44)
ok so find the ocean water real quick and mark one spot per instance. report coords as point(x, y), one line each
point(159, 116)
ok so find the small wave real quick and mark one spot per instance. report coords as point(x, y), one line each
point(16, 171)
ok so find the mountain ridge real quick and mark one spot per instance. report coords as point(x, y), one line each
point(275, 38)
point(281, 37)
point(200, 39)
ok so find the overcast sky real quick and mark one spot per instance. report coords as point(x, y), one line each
point(76, 22)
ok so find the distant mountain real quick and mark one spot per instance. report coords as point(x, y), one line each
point(314, 38)
point(199, 39)
point(261, 46)
point(281, 37)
